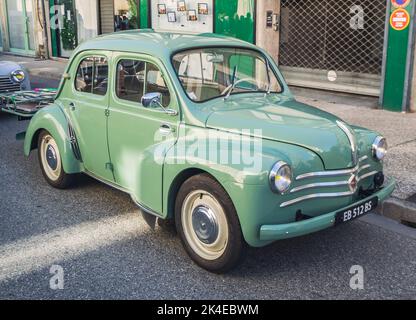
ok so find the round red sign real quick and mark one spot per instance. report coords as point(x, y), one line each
point(400, 3)
point(400, 19)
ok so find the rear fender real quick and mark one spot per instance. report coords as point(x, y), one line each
point(53, 120)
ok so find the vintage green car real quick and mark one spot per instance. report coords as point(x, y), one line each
point(202, 130)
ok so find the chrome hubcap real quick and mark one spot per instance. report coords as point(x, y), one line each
point(205, 224)
point(50, 158)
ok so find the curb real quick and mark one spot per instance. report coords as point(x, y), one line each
point(399, 210)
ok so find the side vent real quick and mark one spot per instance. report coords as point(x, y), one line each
point(74, 143)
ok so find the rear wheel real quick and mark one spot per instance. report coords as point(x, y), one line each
point(51, 162)
point(208, 225)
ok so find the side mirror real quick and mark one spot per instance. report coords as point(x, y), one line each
point(66, 76)
point(152, 99)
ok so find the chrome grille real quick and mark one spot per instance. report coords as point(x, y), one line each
point(361, 172)
point(7, 85)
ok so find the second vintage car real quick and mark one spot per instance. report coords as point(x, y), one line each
point(203, 130)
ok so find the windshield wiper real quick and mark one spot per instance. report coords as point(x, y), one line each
point(233, 82)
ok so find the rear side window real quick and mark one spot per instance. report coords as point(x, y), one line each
point(135, 78)
point(92, 76)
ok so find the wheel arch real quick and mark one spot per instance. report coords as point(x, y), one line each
point(179, 180)
point(53, 120)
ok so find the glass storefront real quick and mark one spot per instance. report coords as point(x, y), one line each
point(125, 15)
point(78, 22)
point(21, 23)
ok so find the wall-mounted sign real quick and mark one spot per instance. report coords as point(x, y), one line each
point(171, 16)
point(161, 8)
point(203, 8)
point(400, 3)
point(192, 15)
point(181, 6)
point(400, 19)
point(189, 16)
point(269, 19)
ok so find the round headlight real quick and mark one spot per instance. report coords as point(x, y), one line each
point(18, 76)
point(380, 148)
point(280, 177)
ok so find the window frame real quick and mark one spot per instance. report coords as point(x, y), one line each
point(80, 61)
point(138, 103)
point(260, 53)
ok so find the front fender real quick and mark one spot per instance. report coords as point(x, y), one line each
point(53, 120)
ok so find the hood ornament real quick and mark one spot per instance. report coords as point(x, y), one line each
point(353, 141)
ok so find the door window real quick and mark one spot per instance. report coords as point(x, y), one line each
point(136, 78)
point(92, 76)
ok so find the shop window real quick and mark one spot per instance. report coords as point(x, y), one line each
point(92, 76)
point(125, 15)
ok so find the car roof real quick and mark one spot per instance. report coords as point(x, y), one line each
point(161, 44)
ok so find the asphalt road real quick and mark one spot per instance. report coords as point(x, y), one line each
point(107, 251)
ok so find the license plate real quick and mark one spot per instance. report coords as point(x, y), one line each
point(356, 212)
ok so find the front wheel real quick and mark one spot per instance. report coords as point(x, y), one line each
point(208, 225)
point(51, 162)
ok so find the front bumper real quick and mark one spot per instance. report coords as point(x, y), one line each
point(296, 229)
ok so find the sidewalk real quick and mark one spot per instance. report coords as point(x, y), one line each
point(398, 128)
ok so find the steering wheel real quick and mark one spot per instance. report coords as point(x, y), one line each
point(251, 80)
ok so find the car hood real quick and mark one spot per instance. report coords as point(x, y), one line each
point(6, 67)
point(288, 121)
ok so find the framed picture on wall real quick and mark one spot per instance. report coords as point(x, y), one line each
point(192, 15)
point(203, 8)
point(181, 6)
point(161, 8)
point(171, 16)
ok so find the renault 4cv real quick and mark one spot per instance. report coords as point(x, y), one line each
point(202, 130)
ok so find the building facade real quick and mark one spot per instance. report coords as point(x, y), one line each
point(361, 47)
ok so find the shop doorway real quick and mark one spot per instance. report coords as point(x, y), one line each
point(333, 45)
point(20, 19)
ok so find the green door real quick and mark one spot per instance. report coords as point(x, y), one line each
point(86, 103)
point(20, 19)
point(139, 137)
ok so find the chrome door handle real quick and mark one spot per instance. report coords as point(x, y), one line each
point(165, 129)
point(72, 106)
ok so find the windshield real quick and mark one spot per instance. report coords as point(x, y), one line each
point(215, 72)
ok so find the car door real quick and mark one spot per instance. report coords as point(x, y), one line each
point(86, 103)
point(139, 137)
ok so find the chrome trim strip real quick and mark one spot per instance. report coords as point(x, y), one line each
point(351, 138)
point(116, 186)
point(367, 175)
point(320, 185)
point(332, 173)
point(145, 209)
point(108, 183)
point(315, 196)
point(367, 166)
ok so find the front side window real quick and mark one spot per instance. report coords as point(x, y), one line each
point(135, 78)
point(92, 76)
point(214, 72)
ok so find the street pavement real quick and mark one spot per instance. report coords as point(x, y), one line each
point(107, 251)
